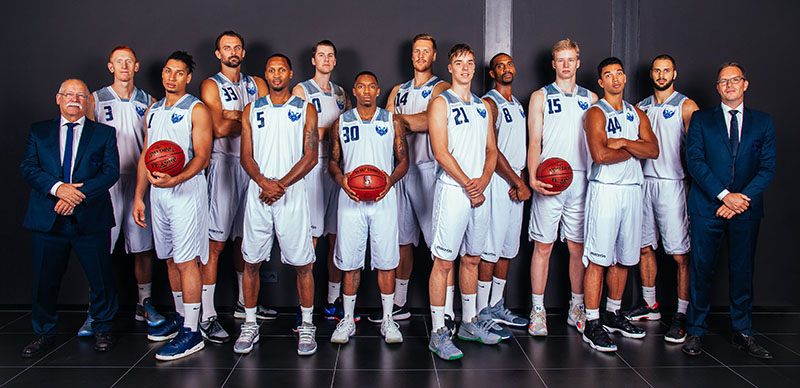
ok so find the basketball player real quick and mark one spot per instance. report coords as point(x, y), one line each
point(279, 147)
point(507, 193)
point(462, 138)
point(226, 94)
point(330, 100)
point(367, 135)
point(410, 101)
point(122, 106)
point(555, 122)
point(664, 210)
point(619, 137)
point(179, 204)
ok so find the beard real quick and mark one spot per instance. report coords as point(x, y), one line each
point(501, 81)
point(665, 87)
point(233, 61)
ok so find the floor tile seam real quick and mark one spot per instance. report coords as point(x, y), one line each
point(529, 361)
point(780, 344)
point(433, 360)
point(16, 319)
point(729, 368)
point(230, 373)
point(132, 366)
point(634, 370)
point(335, 364)
point(34, 364)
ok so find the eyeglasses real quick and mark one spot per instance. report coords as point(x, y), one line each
point(70, 95)
point(734, 80)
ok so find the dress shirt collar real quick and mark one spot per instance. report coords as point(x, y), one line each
point(80, 121)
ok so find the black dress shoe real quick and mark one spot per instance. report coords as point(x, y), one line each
point(692, 346)
point(103, 342)
point(37, 346)
point(749, 345)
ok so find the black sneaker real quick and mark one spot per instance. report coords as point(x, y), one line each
point(398, 314)
point(596, 336)
point(616, 323)
point(677, 330)
point(644, 313)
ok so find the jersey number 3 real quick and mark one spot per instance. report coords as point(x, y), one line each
point(109, 113)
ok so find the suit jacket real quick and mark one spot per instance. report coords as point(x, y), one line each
point(96, 166)
point(713, 168)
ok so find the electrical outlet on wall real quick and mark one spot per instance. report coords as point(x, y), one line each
point(270, 277)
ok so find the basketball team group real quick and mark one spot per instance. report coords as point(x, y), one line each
point(256, 161)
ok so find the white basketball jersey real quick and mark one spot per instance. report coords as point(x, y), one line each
point(410, 100)
point(619, 124)
point(277, 135)
point(127, 117)
point(173, 123)
point(510, 122)
point(234, 96)
point(367, 142)
point(467, 123)
point(667, 122)
point(562, 133)
point(329, 107)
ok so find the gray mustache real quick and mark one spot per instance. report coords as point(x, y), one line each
point(75, 104)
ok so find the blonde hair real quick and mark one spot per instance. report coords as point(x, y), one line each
point(565, 44)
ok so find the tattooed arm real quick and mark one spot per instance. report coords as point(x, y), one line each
point(335, 162)
point(400, 156)
point(310, 149)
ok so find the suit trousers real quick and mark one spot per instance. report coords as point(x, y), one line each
point(51, 252)
point(707, 236)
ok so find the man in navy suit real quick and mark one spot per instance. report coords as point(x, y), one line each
point(731, 156)
point(70, 163)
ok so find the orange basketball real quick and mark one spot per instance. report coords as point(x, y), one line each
point(164, 156)
point(555, 171)
point(367, 182)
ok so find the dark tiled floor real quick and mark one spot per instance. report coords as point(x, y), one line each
point(559, 360)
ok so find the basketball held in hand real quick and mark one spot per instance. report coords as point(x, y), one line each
point(556, 172)
point(164, 156)
point(367, 181)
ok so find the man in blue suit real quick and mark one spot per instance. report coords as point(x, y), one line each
point(731, 156)
point(70, 163)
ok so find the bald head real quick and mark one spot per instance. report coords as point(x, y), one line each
point(72, 99)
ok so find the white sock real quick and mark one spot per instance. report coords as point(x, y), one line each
point(208, 301)
point(349, 305)
point(239, 277)
point(468, 304)
point(649, 294)
point(333, 291)
point(448, 302)
point(145, 291)
point(437, 317)
point(483, 294)
point(683, 305)
point(307, 313)
point(192, 313)
point(592, 314)
point(250, 314)
point(537, 299)
point(498, 288)
point(387, 301)
point(177, 297)
point(400, 292)
point(613, 305)
point(577, 299)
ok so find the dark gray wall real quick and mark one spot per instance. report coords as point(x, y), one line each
point(45, 44)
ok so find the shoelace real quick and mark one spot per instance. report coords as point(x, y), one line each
point(444, 342)
point(483, 325)
point(249, 332)
point(391, 325)
point(306, 333)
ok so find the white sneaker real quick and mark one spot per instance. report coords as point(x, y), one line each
point(577, 316)
point(306, 343)
point(390, 331)
point(538, 322)
point(344, 330)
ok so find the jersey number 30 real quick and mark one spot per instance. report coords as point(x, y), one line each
point(350, 133)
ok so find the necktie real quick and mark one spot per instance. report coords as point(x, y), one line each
point(67, 162)
point(734, 137)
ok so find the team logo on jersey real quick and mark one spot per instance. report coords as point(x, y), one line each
point(251, 90)
point(583, 104)
point(481, 112)
point(294, 116)
point(668, 113)
point(630, 116)
point(426, 93)
point(340, 104)
point(176, 118)
point(381, 130)
point(522, 112)
point(140, 110)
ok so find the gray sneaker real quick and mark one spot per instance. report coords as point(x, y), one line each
point(501, 314)
point(247, 338)
point(261, 312)
point(306, 343)
point(538, 325)
point(213, 331)
point(577, 316)
point(494, 327)
point(478, 330)
point(442, 345)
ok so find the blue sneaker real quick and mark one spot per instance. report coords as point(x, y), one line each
point(145, 312)
point(86, 328)
point(185, 343)
point(335, 311)
point(166, 331)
